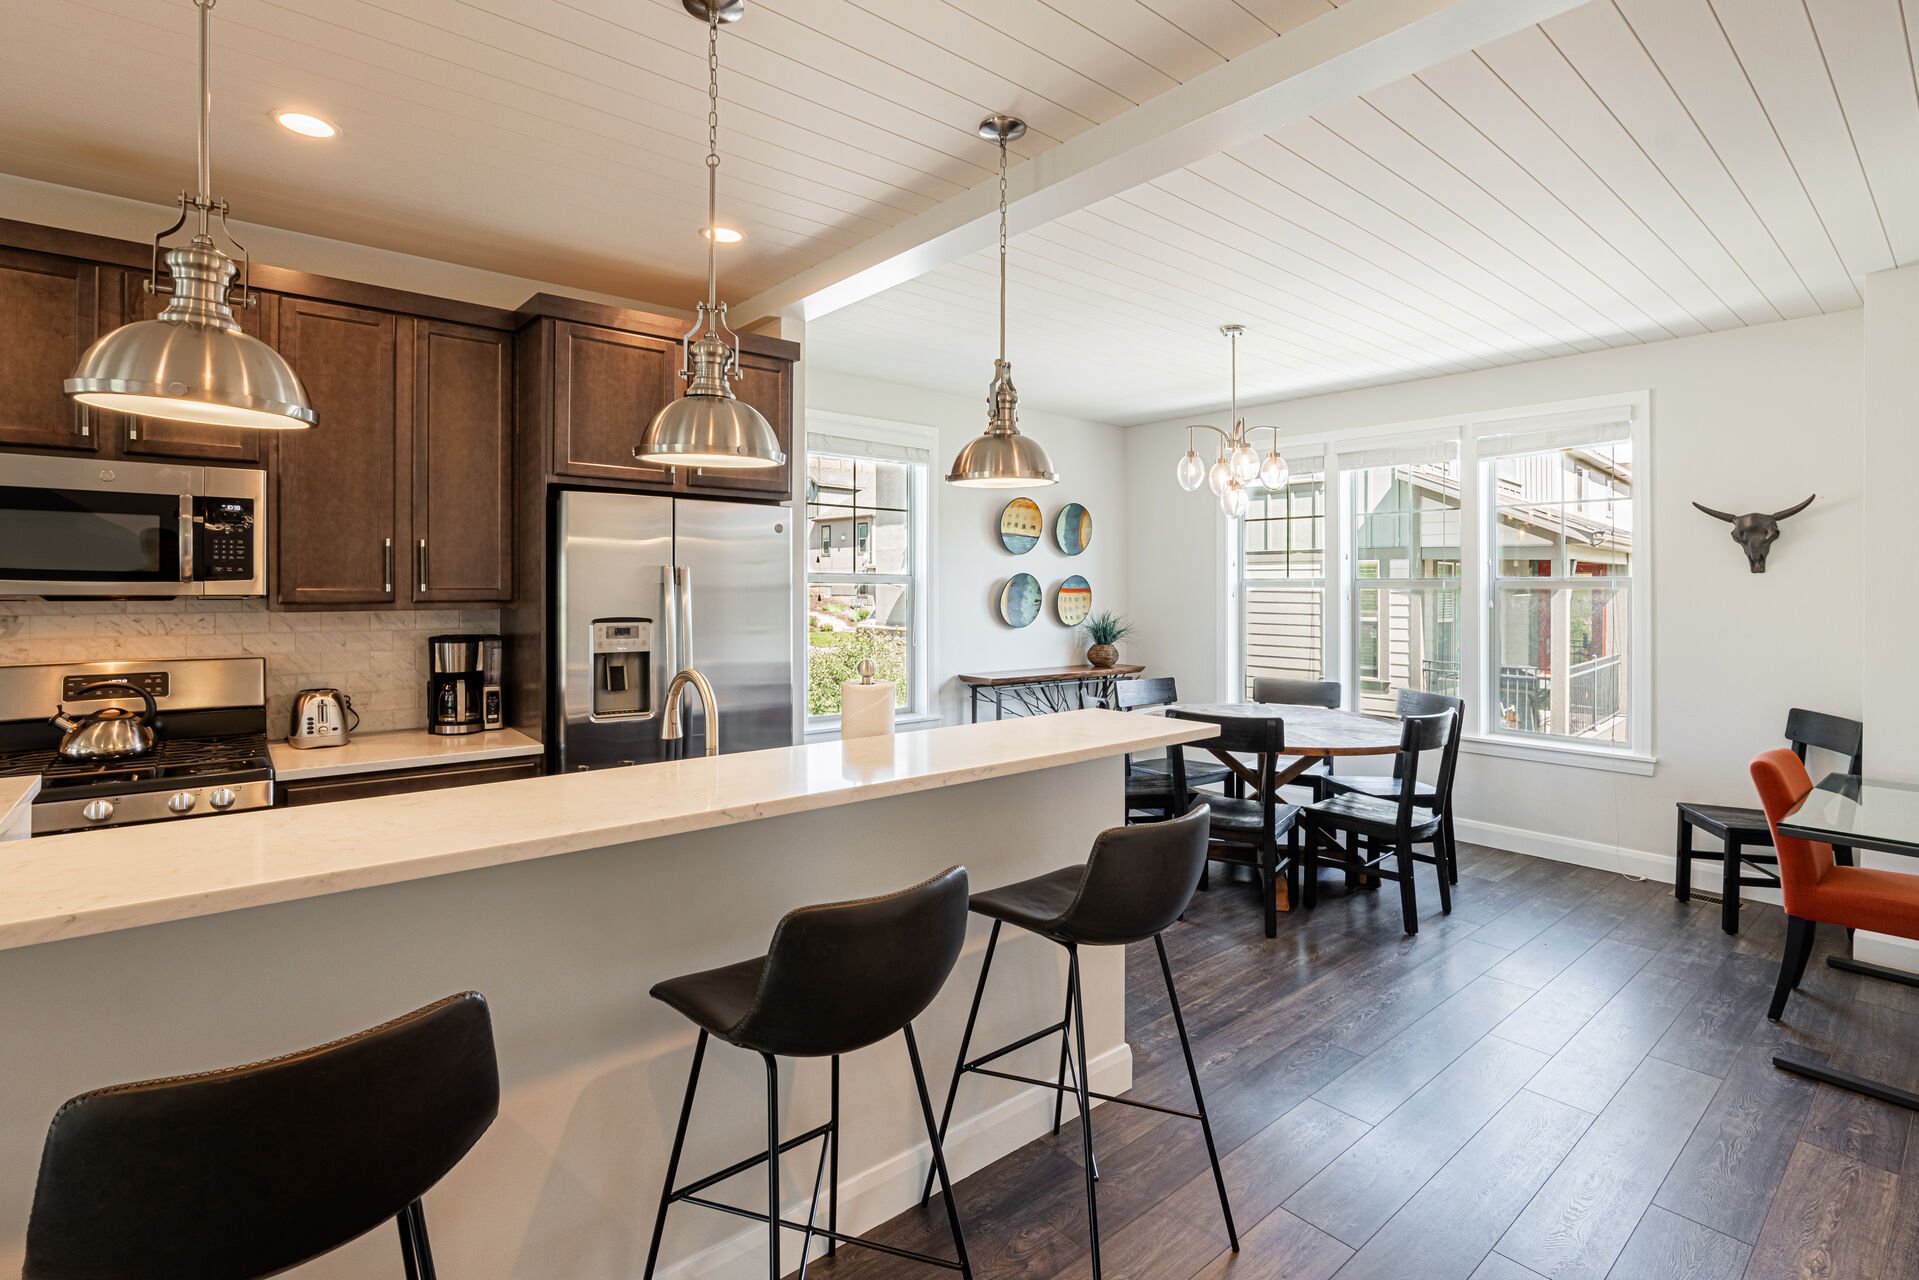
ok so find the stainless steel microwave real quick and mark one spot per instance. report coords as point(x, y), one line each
point(77, 527)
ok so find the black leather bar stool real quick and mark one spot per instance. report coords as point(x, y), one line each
point(1138, 881)
point(245, 1172)
point(837, 978)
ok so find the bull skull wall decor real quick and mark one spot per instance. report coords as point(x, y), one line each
point(1756, 531)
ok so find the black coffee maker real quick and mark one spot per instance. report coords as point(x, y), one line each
point(463, 684)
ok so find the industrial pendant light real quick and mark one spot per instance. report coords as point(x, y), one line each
point(1002, 458)
point(709, 426)
point(193, 364)
point(1236, 464)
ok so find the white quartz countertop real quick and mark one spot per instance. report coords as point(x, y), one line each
point(92, 882)
point(399, 749)
point(16, 801)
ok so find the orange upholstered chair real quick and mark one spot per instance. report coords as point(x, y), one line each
point(1815, 889)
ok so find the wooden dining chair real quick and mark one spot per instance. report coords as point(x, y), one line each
point(1304, 693)
point(1816, 889)
point(1376, 829)
point(1247, 830)
point(1426, 795)
point(1743, 835)
point(1150, 794)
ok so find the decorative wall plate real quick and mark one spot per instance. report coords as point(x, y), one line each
point(1019, 600)
point(1073, 529)
point(1073, 601)
point(1020, 526)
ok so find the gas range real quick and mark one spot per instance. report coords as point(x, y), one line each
point(210, 758)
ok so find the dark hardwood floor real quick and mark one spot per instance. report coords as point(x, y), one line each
point(1570, 1076)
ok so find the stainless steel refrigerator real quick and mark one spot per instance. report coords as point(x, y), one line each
point(646, 586)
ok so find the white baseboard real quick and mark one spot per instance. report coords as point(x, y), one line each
point(875, 1194)
point(1604, 857)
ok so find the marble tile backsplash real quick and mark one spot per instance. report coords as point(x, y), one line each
point(378, 658)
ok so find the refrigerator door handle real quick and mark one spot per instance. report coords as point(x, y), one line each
point(669, 628)
point(683, 641)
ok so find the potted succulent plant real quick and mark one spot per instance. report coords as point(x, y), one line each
point(1105, 631)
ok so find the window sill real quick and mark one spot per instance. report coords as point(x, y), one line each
point(1562, 754)
point(827, 728)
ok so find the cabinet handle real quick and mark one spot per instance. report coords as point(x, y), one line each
point(389, 565)
point(133, 433)
point(422, 557)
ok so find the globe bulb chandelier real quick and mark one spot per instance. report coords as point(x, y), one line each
point(1236, 464)
point(193, 363)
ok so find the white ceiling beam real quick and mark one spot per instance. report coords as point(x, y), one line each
point(1353, 50)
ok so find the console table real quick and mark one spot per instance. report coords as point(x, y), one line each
point(1042, 690)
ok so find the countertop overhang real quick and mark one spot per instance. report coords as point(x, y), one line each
point(71, 886)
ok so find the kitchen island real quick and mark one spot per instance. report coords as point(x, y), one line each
point(154, 950)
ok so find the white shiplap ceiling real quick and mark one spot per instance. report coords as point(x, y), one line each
point(563, 140)
point(1629, 171)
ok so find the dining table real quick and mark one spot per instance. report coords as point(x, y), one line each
point(1308, 735)
point(1857, 813)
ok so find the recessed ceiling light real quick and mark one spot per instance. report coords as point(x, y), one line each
point(307, 126)
point(725, 235)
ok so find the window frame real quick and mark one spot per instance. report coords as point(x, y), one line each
point(1242, 586)
point(922, 508)
point(1478, 577)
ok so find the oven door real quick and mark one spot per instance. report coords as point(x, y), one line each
point(70, 527)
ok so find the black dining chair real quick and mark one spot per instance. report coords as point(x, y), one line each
point(1247, 830)
point(1304, 693)
point(1135, 884)
point(1426, 795)
point(1149, 783)
point(837, 978)
point(245, 1172)
point(1746, 841)
point(1376, 829)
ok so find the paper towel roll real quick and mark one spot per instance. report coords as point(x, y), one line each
point(866, 710)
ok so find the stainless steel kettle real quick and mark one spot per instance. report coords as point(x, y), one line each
point(320, 719)
point(110, 731)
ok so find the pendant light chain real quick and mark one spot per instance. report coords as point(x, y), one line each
point(1002, 249)
point(713, 160)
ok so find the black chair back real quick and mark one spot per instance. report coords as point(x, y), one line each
point(1138, 880)
point(1418, 735)
point(844, 975)
point(1262, 738)
point(1137, 694)
point(245, 1172)
point(1836, 734)
point(1298, 693)
point(1418, 702)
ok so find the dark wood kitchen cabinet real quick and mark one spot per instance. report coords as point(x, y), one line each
point(336, 526)
point(395, 782)
point(50, 306)
point(155, 439)
point(607, 385)
point(462, 464)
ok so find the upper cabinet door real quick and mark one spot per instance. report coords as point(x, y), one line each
point(150, 437)
point(338, 537)
point(767, 385)
point(607, 385)
point(50, 308)
point(462, 446)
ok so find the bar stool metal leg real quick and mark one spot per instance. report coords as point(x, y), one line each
point(775, 1271)
point(1199, 1097)
point(1085, 1109)
point(1065, 1047)
point(939, 1157)
point(833, 1188)
point(966, 1042)
point(672, 1161)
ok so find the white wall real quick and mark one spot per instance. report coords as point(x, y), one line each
point(1748, 420)
point(968, 563)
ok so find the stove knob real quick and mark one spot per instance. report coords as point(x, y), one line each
point(181, 802)
point(97, 810)
point(223, 797)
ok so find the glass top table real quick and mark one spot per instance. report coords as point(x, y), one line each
point(1857, 813)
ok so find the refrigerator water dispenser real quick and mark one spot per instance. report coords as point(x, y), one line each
point(622, 668)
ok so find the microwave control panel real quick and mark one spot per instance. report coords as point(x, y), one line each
point(223, 539)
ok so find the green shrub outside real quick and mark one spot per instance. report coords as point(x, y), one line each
point(833, 658)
